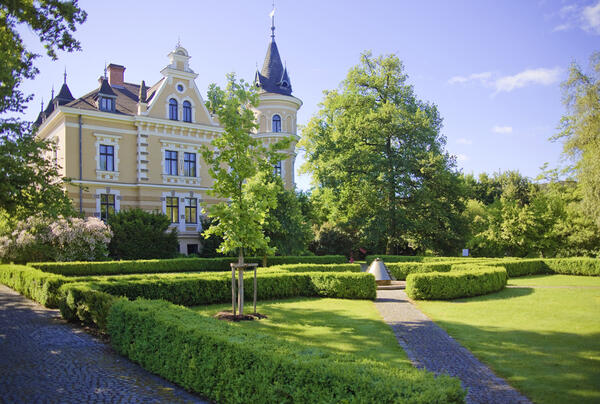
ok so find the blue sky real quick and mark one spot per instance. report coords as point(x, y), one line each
point(494, 68)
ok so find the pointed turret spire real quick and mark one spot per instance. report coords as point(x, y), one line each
point(52, 94)
point(42, 105)
point(65, 76)
point(273, 78)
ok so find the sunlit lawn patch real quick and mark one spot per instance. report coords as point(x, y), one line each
point(351, 326)
point(544, 341)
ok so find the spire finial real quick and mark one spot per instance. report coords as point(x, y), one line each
point(65, 75)
point(42, 105)
point(178, 42)
point(52, 92)
point(272, 15)
point(105, 69)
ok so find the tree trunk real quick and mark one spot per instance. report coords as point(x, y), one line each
point(241, 282)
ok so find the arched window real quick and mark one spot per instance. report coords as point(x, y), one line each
point(276, 123)
point(187, 111)
point(173, 109)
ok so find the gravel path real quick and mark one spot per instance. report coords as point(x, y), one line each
point(430, 347)
point(45, 360)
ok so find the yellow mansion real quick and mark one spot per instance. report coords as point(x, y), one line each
point(126, 145)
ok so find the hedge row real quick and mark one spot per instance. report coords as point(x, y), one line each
point(37, 285)
point(80, 302)
point(173, 265)
point(473, 281)
point(414, 258)
point(400, 270)
point(318, 268)
point(230, 364)
point(574, 266)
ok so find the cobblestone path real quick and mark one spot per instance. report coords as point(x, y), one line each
point(44, 360)
point(430, 347)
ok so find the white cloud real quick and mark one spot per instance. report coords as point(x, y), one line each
point(463, 140)
point(591, 18)
point(481, 77)
point(462, 157)
point(527, 77)
point(502, 129)
point(575, 15)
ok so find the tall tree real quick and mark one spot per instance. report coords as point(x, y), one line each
point(29, 180)
point(241, 168)
point(379, 150)
point(580, 130)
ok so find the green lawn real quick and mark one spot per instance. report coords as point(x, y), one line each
point(351, 326)
point(545, 342)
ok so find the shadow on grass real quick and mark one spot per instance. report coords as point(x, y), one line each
point(331, 324)
point(548, 367)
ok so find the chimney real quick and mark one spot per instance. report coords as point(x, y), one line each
point(116, 75)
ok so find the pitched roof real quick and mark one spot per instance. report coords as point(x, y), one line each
point(273, 78)
point(64, 97)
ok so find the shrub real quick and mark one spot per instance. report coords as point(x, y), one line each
point(234, 364)
point(318, 268)
point(574, 266)
point(521, 267)
point(32, 283)
point(141, 235)
point(44, 239)
point(79, 301)
point(455, 284)
point(400, 270)
point(170, 265)
point(197, 289)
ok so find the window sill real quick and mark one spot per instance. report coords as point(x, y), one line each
point(180, 180)
point(107, 175)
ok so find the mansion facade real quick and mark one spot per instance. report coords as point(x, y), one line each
point(126, 145)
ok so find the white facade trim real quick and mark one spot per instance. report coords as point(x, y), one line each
point(108, 140)
point(109, 191)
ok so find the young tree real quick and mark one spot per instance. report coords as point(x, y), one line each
point(28, 181)
point(581, 131)
point(241, 167)
point(378, 148)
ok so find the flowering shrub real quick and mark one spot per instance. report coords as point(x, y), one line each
point(63, 239)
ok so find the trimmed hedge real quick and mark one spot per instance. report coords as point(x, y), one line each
point(400, 270)
point(574, 266)
point(229, 364)
point(216, 288)
point(455, 284)
point(32, 283)
point(520, 267)
point(172, 265)
point(80, 302)
point(318, 268)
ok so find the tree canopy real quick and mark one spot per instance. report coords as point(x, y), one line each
point(378, 160)
point(580, 130)
point(241, 167)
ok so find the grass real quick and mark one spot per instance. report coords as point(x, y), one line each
point(545, 342)
point(338, 325)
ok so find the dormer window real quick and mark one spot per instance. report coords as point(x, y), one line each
point(187, 111)
point(173, 109)
point(276, 123)
point(106, 104)
point(284, 84)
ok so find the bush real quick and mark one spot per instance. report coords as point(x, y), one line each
point(521, 267)
point(170, 265)
point(234, 364)
point(198, 289)
point(400, 270)
point(574, 266)
point(44, 239)
point(141, 235)
point(455, 284)
point(318, 268)
point(32, 283)
point(80, 302)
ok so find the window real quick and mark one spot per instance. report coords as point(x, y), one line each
point(276, 123)
point(191, 210)
point(180, 88)
point(173, 209)
point(189, 164)
point(107, 206)
point(192, 249)
point(277, 169)
point(173, 109)
point(107, 158)
point(170, 162)
point(187, 111)
point(106, 104)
